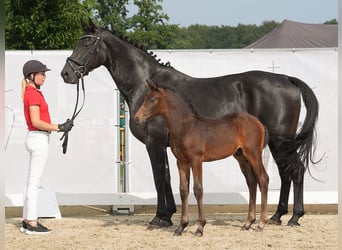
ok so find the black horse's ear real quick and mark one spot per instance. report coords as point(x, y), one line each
point(92, 26)
point(152, 85)
point(88, 28)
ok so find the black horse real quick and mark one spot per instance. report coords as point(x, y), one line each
point(274, 99)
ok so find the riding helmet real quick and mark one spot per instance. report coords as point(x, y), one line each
point(33, 66)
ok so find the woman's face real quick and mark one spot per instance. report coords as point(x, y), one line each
point(39, 78)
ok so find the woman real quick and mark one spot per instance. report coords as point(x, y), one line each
point(39, 126)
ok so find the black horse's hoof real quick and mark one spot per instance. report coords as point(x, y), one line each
point(155, 221)
point(274, 222)
point(294, 219)
point(165, 223)
point(158, 222)
point(293, 224)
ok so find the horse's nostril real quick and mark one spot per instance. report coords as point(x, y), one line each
point(139, 121)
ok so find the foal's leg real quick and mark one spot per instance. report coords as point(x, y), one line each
point(262, 177)
point(263, 185)
point(198, 191)
point(184, 177)
point(254, 157)
point(252, 186)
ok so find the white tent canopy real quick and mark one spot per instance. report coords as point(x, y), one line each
point(290, 34)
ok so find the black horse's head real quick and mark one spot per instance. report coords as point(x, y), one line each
point(89, 53)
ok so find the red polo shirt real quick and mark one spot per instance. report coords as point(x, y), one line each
point(35, 97)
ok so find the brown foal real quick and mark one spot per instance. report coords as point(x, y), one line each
point(195, 140)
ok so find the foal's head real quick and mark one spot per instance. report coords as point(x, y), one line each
point(154, 104)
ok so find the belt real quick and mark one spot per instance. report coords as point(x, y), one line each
point(49, 132)
point(38, 130)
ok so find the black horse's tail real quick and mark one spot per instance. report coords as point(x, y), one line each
point(305, 140)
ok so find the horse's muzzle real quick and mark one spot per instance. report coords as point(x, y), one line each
point(139, 121)
point(69, 78)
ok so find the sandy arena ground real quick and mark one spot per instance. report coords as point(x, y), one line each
point(96, 228)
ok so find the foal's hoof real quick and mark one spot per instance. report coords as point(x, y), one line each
point(248, 224)
point(179, 231)
point(199, 232)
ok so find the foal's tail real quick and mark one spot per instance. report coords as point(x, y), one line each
point(305, 140)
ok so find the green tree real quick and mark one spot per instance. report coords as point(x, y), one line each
point(44, 24)
point(218, 37)
point(246, 34)
point(266, 27)
point(332, 21)
point(149, 26)
point(197, 35)
point(112, 14)
point(181, 39)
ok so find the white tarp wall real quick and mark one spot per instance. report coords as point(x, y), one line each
point(316, 67)
point(89, 166)
point(88, 173)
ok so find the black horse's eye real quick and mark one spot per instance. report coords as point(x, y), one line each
point(87, 42)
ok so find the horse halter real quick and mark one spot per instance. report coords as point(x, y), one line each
point(81, 70)
point(79, 73)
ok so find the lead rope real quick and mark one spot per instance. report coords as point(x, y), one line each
point(76, 112)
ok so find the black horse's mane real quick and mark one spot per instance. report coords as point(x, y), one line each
point(138, 46)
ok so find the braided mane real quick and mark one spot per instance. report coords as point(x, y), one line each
point(138, 46)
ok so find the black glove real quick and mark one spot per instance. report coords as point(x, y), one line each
point(66, 126)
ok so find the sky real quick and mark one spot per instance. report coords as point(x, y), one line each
point(233, 12)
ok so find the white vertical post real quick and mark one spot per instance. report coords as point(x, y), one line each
point(117, 125)
point(127, 159)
